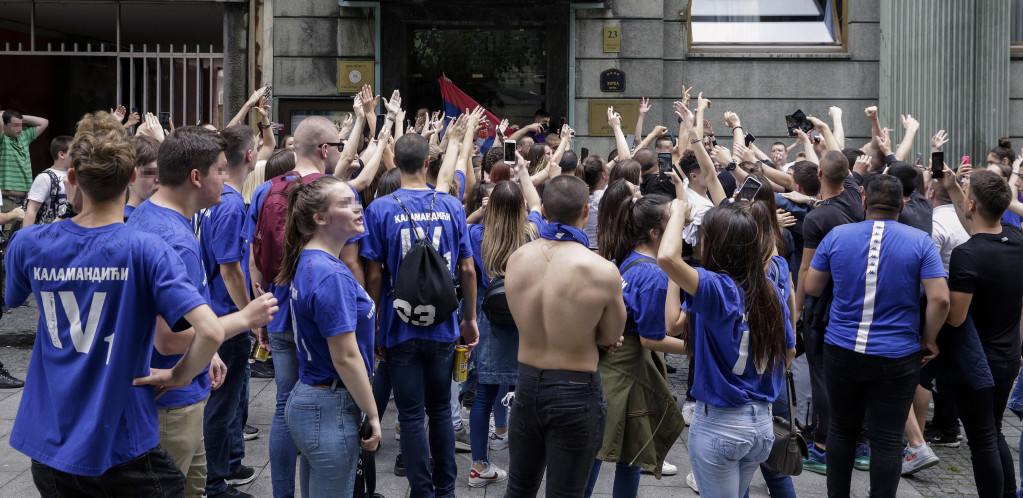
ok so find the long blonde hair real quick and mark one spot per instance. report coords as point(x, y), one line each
point(505, 227)
point(304, 201)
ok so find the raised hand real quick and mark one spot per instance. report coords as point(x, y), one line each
point(133, 119)
point(721, 155)
point(817, 123)
point(502, 126)
point(254, 98)
point(263, 110)
point(567, 133)
point(938, 140)
point(708, 129)
point(644, 106)
point(835, 113)
point(457, 129)
point(357, 106)
point(871, 112)
point(659, 131)
point(732, 120)
point(420, 124)
point(369, 102)
point(349, 122)
point(909, 123)
point(702, 104)
point(393, 106)
point(613, 118)
point(884, 142)
point(743, 153)
point(862, 162)
point(685, 95)
point(118, 113)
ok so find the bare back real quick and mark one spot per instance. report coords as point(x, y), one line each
point(566, 301)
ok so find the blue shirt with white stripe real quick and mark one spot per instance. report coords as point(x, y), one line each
point(877, 266)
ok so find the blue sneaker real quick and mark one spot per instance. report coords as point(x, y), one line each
point(816, 461)
point(862, 461)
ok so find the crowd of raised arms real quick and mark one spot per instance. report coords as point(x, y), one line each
point(368, 265)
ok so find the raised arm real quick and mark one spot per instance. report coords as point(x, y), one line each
point(825, 130)
point(447, 167)
point(911, 125)
point(249, 104)
point(615, 120)
point(955, 192)
point(875, 121)
point(528, 189)
point(372, 164)
point(839, 130)
point(644, 107)
point(39, 123)
point(658, 132)
point(804, 139)
point(464, 163)
point(714, 188)
point(732, 121)
point(669, 254)
point(521, 132)
point(351, 150)
point(567, 134)
point(267, 132)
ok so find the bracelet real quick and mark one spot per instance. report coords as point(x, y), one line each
point(695, 141)
point(739, 128)
point(262, 126)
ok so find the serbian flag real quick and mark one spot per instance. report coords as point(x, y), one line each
point(455, 104)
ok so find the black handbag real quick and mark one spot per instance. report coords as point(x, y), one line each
point(789, 448)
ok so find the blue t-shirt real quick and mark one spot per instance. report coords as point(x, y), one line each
point(877, 266)
point(476, 241)
point(176, 230)
point(219, 230)
point(390, 237)
point(98, 291)
point(128, 210)
point(1013, 218)
point(725, 375)
point(280, 322)
point(327, 301)
point(644, 288)
point(460, 178)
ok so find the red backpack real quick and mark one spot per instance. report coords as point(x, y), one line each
point(268, 243)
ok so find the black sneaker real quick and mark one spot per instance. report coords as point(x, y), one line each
point(231, 493)
point(8, 381)
point(399, 466)
point(262, 369)
point(671, 368)
point(244, 476)
point(250, 432)
point(938, 438)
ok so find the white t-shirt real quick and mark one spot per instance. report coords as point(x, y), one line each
point(40, 191)
point(698, 206)
point(947, 231)
point(591, 222)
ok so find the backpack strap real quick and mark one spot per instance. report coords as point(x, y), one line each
point(638, 261)
point(415, 229)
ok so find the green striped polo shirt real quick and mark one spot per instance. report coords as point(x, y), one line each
point(15, 165)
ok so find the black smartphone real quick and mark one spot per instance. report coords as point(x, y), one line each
point(543, 126)
point(749, 189)
point(380, 124)
point(583, 153)
point(797, 120)
point(564, 121)
point(135, 110)
point(509, 152)
point(663, 164)
point(266, 94)
point(165, 120)
point(937, 165)
point(750, 139)
point(365, 430)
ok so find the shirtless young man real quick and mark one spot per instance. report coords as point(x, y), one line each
point(567, 302)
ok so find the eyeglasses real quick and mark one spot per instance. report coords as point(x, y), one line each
point(340, 145)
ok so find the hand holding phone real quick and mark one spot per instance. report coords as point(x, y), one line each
point(749, 189)
point(509, 152)
point(937, 165)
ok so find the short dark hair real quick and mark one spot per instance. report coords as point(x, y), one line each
point(185, 149)
point(492, 157)
point(541, 113)
point(591, 168)
point(835, 167)
point(410, 152)
point(646, 158)
point(852, 155)
point(781, 144)
point(661, 139)
point(804, 173)
point(991, 193)
point(884, 194)
point(568, 162)
point(11, 113)
point(60, 144)
point(688, 163)
point(238, 140)
point(907, 174)
point(146, 149)
point(564, 198)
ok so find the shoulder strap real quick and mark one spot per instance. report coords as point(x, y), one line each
point(777, 273)
point(637, 261)
point(415, 229)
point(791, 390)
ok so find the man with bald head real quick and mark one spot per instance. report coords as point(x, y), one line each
point(317, 154)
point(841, 203)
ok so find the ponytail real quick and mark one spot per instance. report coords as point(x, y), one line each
point(304, 201)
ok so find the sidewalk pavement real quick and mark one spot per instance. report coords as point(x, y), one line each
point(953, 476)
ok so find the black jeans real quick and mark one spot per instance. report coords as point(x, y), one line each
point(153, 474)
point(557, 423)
point(820, 420)
point(981, 412)
point(882, 390)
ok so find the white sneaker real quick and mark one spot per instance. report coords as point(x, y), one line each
point(668, 469)
point(688, 410)
point(691, 481)
point(492, 473)
point(918, 458)
point(498, 442)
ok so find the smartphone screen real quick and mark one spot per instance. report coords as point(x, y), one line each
point(380, 124)
point(165, 120)
point(749, 139)
point(937, 165)
point(584, 153)
point(749, 189)
point(564, 122)
point(664, 164)
point(509, 151)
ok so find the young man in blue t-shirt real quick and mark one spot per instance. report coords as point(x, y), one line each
point(191, 174)
point(100, 286)
point(223, 251)
point(420, 357)
point(875, 343)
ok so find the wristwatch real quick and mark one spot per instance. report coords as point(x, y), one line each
point(262, 126)
point(731, 166)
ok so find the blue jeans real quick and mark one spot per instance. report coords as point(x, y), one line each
point(726, 445)
point(325, 426)
point(421, 379)
point(778, 486)
point(223, 417)
point(283, 453)
point(626, 480)
point(488, 399)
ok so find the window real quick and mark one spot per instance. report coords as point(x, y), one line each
point(1016, 26)
point(766, 25)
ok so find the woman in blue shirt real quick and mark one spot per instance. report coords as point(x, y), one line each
point(333, 320)
point(740, 339)
point(643, 421)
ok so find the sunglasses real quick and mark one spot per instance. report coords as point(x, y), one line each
point(340, 145)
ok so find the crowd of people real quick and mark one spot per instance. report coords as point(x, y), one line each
point(534, 285)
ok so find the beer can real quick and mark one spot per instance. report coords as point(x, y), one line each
point(262, 353)
point(461, 370)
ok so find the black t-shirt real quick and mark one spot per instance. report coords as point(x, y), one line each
point(843, 208)
point(917, 213)
point(652, 184)
point(727, 183)
point(988, 266)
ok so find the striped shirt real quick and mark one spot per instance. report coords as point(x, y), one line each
point(15, 165)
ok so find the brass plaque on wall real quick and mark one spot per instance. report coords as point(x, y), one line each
point(628, 108)
point(612, 40)
point(351, 75)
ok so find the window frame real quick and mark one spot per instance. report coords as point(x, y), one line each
point(841, 46)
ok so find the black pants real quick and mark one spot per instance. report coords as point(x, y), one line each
point(153, 474)
point(946, 417)
point(557, 423)
point(882, 390)
point(820, 420)
point(981, 412)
